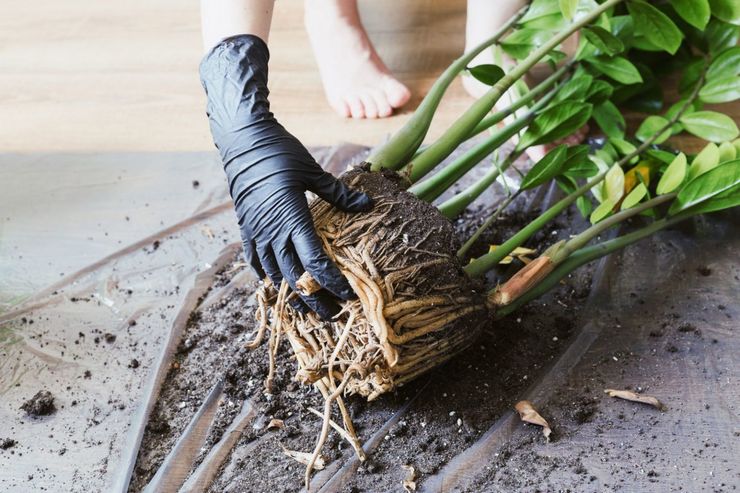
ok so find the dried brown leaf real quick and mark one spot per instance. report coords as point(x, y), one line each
point(635, 397)
point(529, 414)
point(275, 423)
point(305, 458)
point(409, 482)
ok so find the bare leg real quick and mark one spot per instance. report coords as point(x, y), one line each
point(356, 81)
point(221, 19)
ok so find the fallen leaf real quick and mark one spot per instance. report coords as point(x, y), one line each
point(409, 482)
point(275, 423)
point(305, 458)
point(519, 252)
point(635, 397)
point(528, 414)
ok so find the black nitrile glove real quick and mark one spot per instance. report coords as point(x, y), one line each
point(269, 171)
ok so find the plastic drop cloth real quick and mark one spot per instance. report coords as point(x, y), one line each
point(102, 260)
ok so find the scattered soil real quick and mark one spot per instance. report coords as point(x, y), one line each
point(41, 404)
point(452, 406)
point(7, 443)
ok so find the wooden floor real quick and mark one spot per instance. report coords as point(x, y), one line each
point(81, 75)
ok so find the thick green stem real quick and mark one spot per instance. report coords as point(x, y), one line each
point(583, 238)
point(471, 241)
point(454, 206)
point(434, 186)
point(483, 264)
point(540, 88)
point(584, 256)
point(463, 126)
point(404, 143)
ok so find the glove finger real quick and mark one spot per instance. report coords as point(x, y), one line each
point(273, 271)
point(291, 268)
point(319, 265)
point(340, 195)
point(250, 254)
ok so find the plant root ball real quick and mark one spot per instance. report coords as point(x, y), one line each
point(416, 308)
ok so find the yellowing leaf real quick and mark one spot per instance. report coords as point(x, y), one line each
point(634, 197)
point(673, 176)
point(707, 159)
point(631, 180)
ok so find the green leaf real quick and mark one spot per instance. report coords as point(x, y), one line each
point(546, 168)
point(599, 92)
point(603, 40)
point(707, 159)
point(576, 88)
point(695, 12)
point(727, 152)
point(726, 10)
point(673, 176)
point(661, 156)
point(657, 27)
point(610, 120)
point(706, 186)
point(613, 188)
point(726, 64)
point(651, 126)
point(487, 73)
point(623, 147)
point(618, 68)
point(602, 211)
point(725, 200)
point(584, 205)
point(522, 42)
point(540, 8)
point(577, 164)
point(721, 90)
point(721, 35)
point(556, 122)
point(736, 143)
point(568, 8)
point(634, 197)
point(710, 125)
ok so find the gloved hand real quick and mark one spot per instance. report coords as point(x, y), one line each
point(269, 171)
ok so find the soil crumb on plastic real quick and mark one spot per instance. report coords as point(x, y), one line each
point(41, 404)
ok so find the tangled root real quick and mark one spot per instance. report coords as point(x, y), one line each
point(415, 308)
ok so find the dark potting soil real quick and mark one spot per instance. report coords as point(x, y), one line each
point(41, 404)
point(452, 406)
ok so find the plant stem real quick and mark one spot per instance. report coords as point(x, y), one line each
point(483, 264)
point(540, 88)
point(455, 205)
point(582, 239)
point(404, 143)
point(584, 256)
point(492, 218)
point(463, 126)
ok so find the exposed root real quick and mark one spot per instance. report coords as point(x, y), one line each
point(415, 308)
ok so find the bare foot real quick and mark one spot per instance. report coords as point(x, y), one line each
point(356, 81)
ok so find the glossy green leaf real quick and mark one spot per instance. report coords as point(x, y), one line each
point(487, 73)
point(540, 8)
point(556, 122)
point(546, 168)
point(574, 89)
point(720, 35)
point(736, 143)
point(725, 200)
point(673, 176)
point(599, 91)
point(618, 68)
point(657, 27)
point(726, 10)
point(725, 64)
point(707, 159)
point(584, 205)
point(651, 126)
point(661, 156)
point(721, 90)
point(568, 8)
point(710, 125)
point(522, 42)
point(610, 120)
point(695, 12)
point(578, 164)
point(603, 40)
point(727, 152)
point(634, 197)
point(706, 186)
point(602, 211)
point(623, 147)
